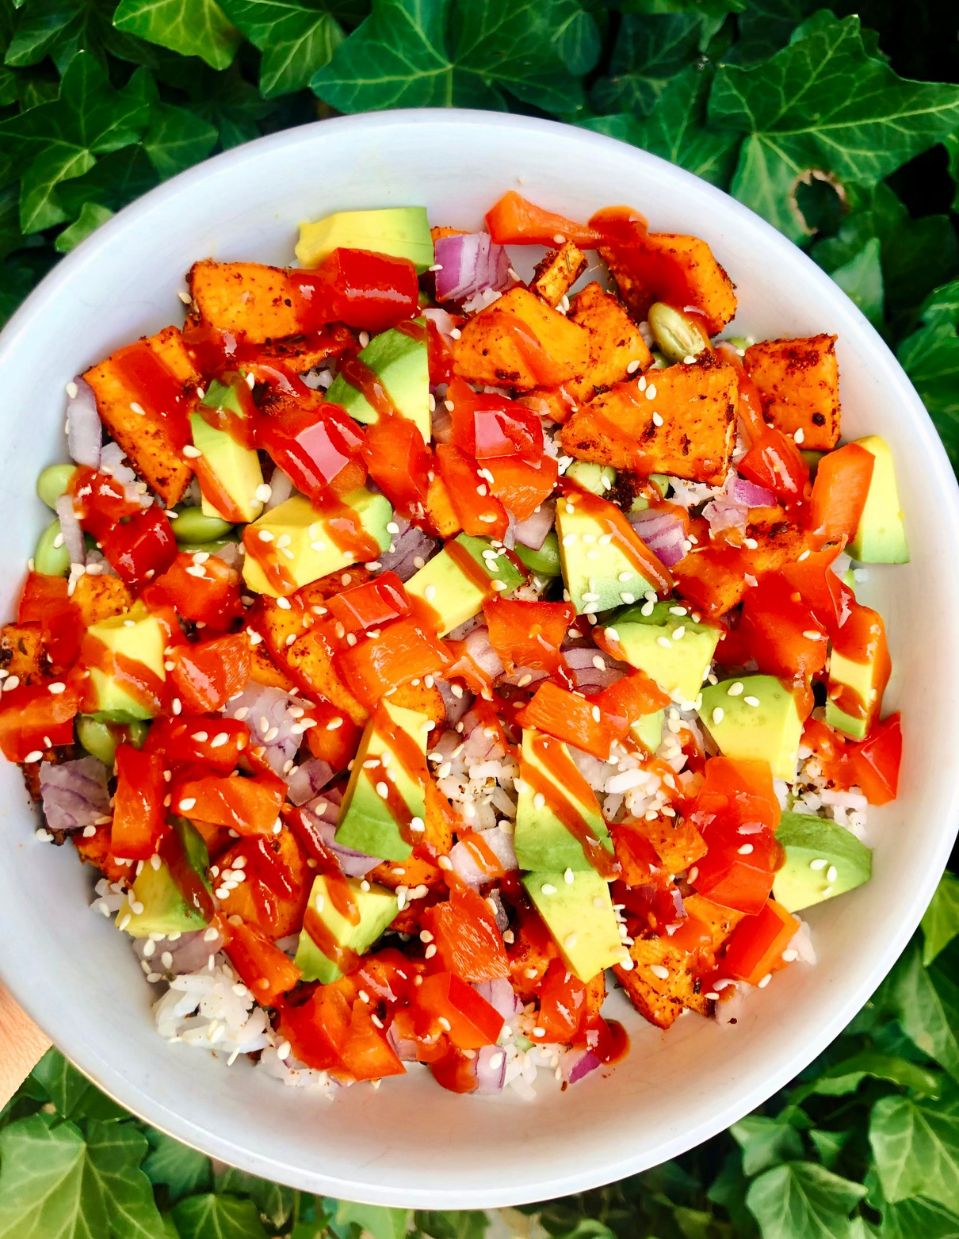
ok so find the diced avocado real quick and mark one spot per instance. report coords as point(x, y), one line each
point(661, 482)
point(597, 479)
point(672, 649)
point(759, 721)
point(579, 914)
point(861, 679)
point(167, 907)
point(541, 839)
point(367, 823)
point(822, 860)
point(881, 536)
point(648, 729)
point(101, 739)
point(598, 573)
point(402, 232)
point(299, 537)
point(811, 460)
point(545, 561)
point(455, 594)
point(138, 636)
point(236, 467)
point(401, 363)
point(375, 908)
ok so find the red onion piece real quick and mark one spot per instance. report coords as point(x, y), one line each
point(408, 546)
point(71, 531)
point(405, 1047)
point(267, 712)
point(751, 495)
point(456, 706)
point(662, 532)
point(725, 513)
point(464, 861)
point(469, 264)
point(441, 319)
point(84, 430)
point(585, 672)
point(325, 811)
point(281, 487)
point(532, 532)
point(490, 1069)
point(500, 995)
point(307, 780)
point(74, 793)
point(582, 1066)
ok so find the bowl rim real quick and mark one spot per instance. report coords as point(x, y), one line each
point(15, 969)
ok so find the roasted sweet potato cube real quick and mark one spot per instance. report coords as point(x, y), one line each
point(423, 698)
point(712, 578)
point(439, 509)
point(675, 840)
point(678, 269)
point(615, 342)
point(778, 541)
point(520, 342)
point(22, 651)
point(718, 920)
point(556, 274)
point(98, 597)
point(679, 420)
point(661, 1000)
point(128, 414)
point(248, 299)
point(798, 381)
point(309, 660)
point(96, 850)
point(303, 353)
point(263, 669)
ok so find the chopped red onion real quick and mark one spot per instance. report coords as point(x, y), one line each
point(272, 716)
point(404, 1047)
point(325, 812)
point(441, 319)
point(532, 532)
point(190, 952)
point(581, 1064)
point(478, 648)
point(113, 462)
point(490, 1069)
point(281, 487)
point(751, 495)
point(441, 423)
point(592, 670)
point(456, 705)
point(84, 429)
point(408, 546)
point(308, 779)
point(663, 534)
point(71, 531)
point(74, 793)
point(725, 513)
point(500, 995)
point(464, 861)
point(468, 264)
point(523, 677)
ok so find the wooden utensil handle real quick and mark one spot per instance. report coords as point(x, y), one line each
point(22, 1045)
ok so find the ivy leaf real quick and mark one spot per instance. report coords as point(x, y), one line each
point(61, 28)
point(915, 1217)
point(295, 39)
point(930, 357)
point(218, 1217)
point(927, 999)
point(72, 1093)
point(861, 280)
point(181, 1170)
point(798, 114)
point(845, 1076)
point(114, 1155)
point(802, 1199)
point(941, 921)
point(190, 27)
point(176, 139)
point(916, 1147)
point(273, 1200)
point(648, 53)
point(42, 1191)
point(461, 1225)
point(829, 1145)
point(765, 1142)
point(677, 129)
point(376, 1220)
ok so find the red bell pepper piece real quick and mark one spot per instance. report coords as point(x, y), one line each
point(44, 601)
point(316, 443)
point(521, 485)
point(365, 290)
point(630, 698)
point(514, 220)
point(774, 461)
point(873, 763)
point(207, 593)
point(33, 719)
point(440, 354)
point(467, 939)
point(335, 736)
point(487, 426)
point(638, 859)
point(262, 967)
point(399, 463)
point(206, 674)
point(839, 493)
point(208, 740)
point(781, 633)
point(829, 598)
point(562, 1004)
point(99, 501)
point(248, 806)
point(404, 650)
point(738, 793)
point(370, 604)
point(757, 943)
point(139, 815)
point(569, 717)
point(141, 547)
point(479, 513)
point(528, 634)
point(469, 1020)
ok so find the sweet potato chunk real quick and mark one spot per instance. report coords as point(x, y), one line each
point(439, 509)
point(615, 342)
point(144, 435)
point(310, 663)
point(248, 299)
point(98, 597)
point(714, 578)
point(263, 670)
point(718, 920)
point(676, 841)
point(520, 342)
point(680, 421)
point(667, 266)
point(558, 272)
point(21, 651)
point(798, 381)
point(96, 850)
point(661, 1000)
point(276, 915)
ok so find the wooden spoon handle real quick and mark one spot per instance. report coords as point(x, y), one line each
point(22, 1045)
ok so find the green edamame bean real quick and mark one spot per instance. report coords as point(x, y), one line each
point(676, 334)
point(193, 525)
point(51, 557)
point(53, 482)
point(211, 548)
point(545, 561)
point(101, 739)
point(597, 479)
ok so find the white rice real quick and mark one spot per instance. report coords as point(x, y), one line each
point(214, 1010)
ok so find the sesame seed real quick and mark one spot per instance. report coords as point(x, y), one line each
point(734, 689)
point(430, 951)
point(800, 435)
point(819, 863)
point(651, 392)
point(745, 850)
point(34, 755)
point(191, 452)
point(382, 790)
point(569, 941)
point(548, 889)
point(679, 632)
point(659, 971)
point(764, 981)
point(657, 417)
point(539, 1032)
point(789, 955)
point(832, 873)
point(751, 701)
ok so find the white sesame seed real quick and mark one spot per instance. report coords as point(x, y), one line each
point(735, 689)
point(745, 850)
point(659, 971)
point(751, 701)
point(548, 889)
point(832, 873)
point(789, 955)
point(718, 715)
point(819, 863)
point(764, 981)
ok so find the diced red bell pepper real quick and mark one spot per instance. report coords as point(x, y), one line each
point(467, 939)
point(366, 1053)
point(399, 463)
point(440, 354)
point(522, 485)
point(569, 717)
point(630, 698)
point(638, 859)
point(403, 651)
point(141, 547)
point(99, 501)
point(209, 740)
point(874, 762)
point(370, 604)
point(365, 290)
point(248, 806)
point(333, 1031)
point(453, 1069)
point(528, 634)
point(33, 719)
point(316, 443)
point(206, 593)
point(514, 220)
point(479, 513)
point(733, 880)
point(704, 930)
point(45, 601)
point(781, 633)
point(749, 404)
point(829, 598)
point(757, 943)
point(650, 905)
point(487, 426)
point(139, 814)
point(839, 493)
point(737, 793)
point(447, 1000)
point(562, 1004)
point(206, 674)
point(774, 461)
point(264, 969)
point(335, 736)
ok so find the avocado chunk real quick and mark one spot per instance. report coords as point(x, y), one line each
point(579, 914)
point(822, 860)
point(597, 479)
point(598, 571)
point(551, 790)
point(136, 636)
point(881, 535)
point(861, 679)
point(235, 467)
point(663, 641)
point(304, 542)
point(755, 718)
point(455, 583)
point(352, 930)
point(648, 729)
point(545, 561)
point(382, 789)
point(173, 887)
point(401, 363)
point(401, 232)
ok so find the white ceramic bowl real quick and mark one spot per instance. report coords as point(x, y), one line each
point(411, 1143)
